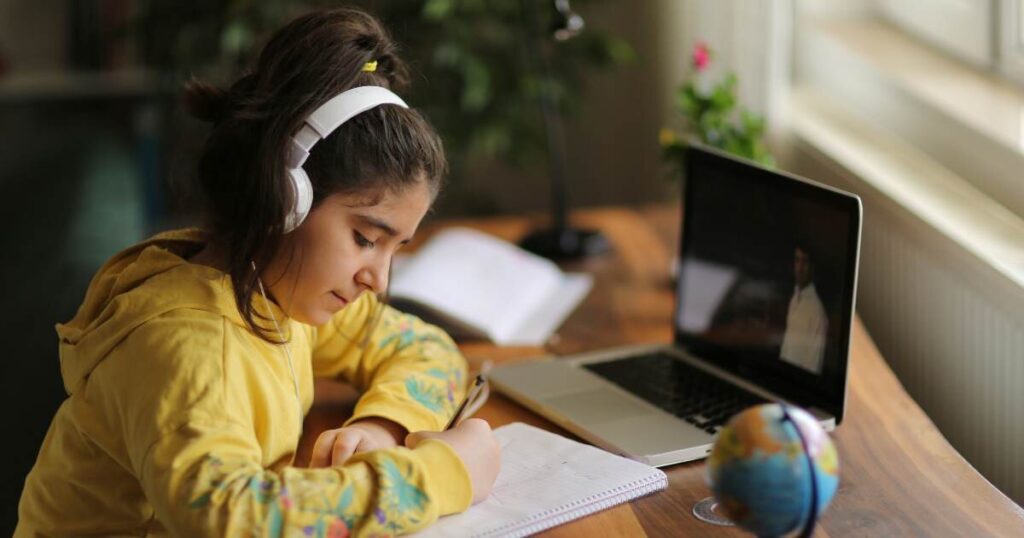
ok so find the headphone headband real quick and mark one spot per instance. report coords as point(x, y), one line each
point(319, 125)
point(332, 114)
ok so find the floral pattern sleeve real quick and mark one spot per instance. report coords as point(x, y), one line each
point(204, 481)
point(410, 371)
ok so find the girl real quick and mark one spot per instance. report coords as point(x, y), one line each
point(190, 364)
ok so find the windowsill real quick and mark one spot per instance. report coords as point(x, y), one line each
point(912, 180)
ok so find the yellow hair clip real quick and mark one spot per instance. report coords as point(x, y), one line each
point(370, 67)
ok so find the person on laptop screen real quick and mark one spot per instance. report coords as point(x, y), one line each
point(767, 264)
point(803, 343)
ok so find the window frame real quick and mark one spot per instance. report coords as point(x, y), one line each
point(971, 38)
point(1011, 40)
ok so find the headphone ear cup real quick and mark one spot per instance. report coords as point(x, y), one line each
point(302, 191)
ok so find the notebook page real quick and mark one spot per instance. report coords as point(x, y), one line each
point(546, 480)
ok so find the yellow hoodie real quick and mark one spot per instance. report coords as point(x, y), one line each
point(181, 421)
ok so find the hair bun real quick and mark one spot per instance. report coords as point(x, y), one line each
point(371, 41)
point(204, 101)
point(367, 34)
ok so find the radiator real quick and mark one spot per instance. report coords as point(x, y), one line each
point(959, 354)
point(950, 327)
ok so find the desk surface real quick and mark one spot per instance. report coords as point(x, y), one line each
point(898, 474)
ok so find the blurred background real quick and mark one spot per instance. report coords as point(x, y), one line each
point(916, 105)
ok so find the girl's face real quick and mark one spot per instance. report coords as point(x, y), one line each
point(342, 249)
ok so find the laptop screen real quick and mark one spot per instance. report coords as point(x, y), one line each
point(767, 276)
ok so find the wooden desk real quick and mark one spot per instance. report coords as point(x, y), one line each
point(898, 474)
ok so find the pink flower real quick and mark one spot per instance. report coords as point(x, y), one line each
point(701, 56)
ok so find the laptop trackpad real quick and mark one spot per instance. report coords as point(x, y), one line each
point(598, 405)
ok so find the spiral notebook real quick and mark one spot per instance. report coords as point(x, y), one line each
point(547, 480)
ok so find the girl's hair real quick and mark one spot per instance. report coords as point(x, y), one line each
point(241, 171)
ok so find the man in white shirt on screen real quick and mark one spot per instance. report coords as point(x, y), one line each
point(806, 323)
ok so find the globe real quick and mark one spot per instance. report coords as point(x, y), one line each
point(760, 471)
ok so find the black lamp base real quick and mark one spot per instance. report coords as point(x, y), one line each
point(566, 243)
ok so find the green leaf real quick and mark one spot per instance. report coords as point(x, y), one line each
point(752, 123)
point(494, 139)
point(476, 90)
point(691, 104)
point(619, 50)
point(722, 98)
point(236, 37)
point(436, 10)
point(730, 83)
point(447, 54)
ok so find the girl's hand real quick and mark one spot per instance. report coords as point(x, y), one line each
point(335, 447)
point(476, 445)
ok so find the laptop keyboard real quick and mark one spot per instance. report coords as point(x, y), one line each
point(678, 388)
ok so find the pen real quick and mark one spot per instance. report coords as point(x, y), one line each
point(474, 391)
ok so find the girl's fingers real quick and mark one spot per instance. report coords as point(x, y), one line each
point(345, 444)
point(322, 449)
point(415, 438)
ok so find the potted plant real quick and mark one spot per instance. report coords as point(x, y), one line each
point(710, 114)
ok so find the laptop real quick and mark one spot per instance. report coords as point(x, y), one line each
point(765, 288)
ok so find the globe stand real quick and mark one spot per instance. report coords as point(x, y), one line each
point(706, 510)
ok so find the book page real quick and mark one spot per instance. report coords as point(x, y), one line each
point(546, 479)
point(478, 279)
point(549, 314)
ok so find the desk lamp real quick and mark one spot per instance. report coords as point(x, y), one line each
point(561, 241)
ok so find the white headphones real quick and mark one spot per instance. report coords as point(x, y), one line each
point(321, 123)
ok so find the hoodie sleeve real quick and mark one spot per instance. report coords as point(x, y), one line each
point(204, 479)
point(192, 441)
point(411, 372)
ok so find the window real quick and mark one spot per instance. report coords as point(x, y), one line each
point(1011, 43)
point(963, 28)
point(988, 34)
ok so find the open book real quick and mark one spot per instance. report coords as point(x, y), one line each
point(475, 285)
point(546, 480)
